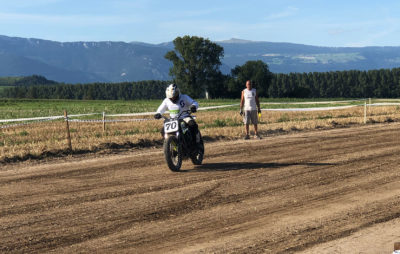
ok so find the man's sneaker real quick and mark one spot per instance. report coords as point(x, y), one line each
point(257, 136)
point(246, 137)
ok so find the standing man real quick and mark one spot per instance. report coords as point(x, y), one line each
point(251, 105)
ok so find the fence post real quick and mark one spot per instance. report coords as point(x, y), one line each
point(68, 133)
point(396, 246)
point(369, 105)
point(365, 112)
point(104, 122)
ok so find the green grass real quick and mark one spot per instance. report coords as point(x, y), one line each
point(10, 108)
point(23, 108)
point(4, 81)
point(4, 87)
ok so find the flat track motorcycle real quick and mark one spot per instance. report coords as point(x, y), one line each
point(179, 143)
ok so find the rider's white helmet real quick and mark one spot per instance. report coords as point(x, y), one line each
point(172, 91)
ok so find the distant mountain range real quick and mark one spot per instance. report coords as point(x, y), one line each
point(84, 62)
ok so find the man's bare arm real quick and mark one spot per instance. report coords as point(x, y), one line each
point(242, 101)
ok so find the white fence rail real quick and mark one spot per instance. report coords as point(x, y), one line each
point(26, 121)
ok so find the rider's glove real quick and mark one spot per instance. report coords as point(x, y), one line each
point(157, 116)
point(193, 108)
point(241, 112)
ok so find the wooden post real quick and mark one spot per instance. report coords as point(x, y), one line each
point(104, 122)
point(365, 112)
point(67, 128)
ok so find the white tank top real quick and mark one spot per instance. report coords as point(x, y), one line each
point(249, 99)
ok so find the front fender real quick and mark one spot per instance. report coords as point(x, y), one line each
point(166, 135)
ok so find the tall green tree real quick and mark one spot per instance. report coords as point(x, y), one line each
point(196, 63)
point(256, 71)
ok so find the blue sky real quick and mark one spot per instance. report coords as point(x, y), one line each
point(314, 22)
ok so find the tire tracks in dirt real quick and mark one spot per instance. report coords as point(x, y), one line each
point(270, 194)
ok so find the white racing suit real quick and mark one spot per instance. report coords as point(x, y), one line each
point(183, 103)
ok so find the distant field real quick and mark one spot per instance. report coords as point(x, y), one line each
point(13, 108)
point(4, 81)
point(4, 87)
point(35, 108)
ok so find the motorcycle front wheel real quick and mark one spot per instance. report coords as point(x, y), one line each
point(173, 153)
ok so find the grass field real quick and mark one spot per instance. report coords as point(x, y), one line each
point(37, 139)
point(11, 108)
point(4, 87)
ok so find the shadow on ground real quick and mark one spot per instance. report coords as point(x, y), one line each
point(230, 166)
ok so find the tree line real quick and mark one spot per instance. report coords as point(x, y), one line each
point(96, 91)
point(384, 83)
point(32, 80)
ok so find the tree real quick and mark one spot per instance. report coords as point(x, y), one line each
point(34, 80)
point(256, 71)
point(196, 63)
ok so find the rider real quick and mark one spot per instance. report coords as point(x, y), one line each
point(175, 103)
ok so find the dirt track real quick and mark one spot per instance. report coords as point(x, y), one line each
point(329, 191)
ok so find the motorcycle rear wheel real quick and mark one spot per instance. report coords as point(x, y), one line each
point(197, 157)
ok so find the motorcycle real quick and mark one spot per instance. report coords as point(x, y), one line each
point(179, 143)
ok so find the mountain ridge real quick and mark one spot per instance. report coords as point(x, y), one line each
point(116, 61)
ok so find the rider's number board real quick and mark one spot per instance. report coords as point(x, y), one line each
point(171, 126)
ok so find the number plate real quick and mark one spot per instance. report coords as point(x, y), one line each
point(171, 126)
